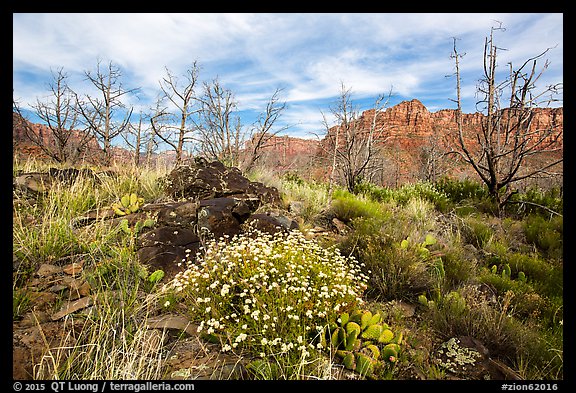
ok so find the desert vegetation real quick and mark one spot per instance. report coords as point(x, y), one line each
point(283, 302)
point(440, 278)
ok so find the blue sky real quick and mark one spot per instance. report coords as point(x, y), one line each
point(307, 55)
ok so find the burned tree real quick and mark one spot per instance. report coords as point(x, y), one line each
point(220, 134)
point(138, 137)
point(175, 109)
point(354, 142)
point(65, 142)
point(262, 132)
point(106, 116)
point(499, 151)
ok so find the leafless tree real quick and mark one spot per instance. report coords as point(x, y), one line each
point(499, 151)
point(151, 148)
point(106, 116)
point(263, 130)
point(65, 142)
point(174, 125)
point(220, 135)
point(354, 142)
point(432, 157)
point(138, 138)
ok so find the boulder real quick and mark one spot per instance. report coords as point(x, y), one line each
point(168, 258)
point(208, 180)
point(271, 222)
point(208, 200)
point(41, 182)
point(167, 248)
point(181, 214)
point(222, 216)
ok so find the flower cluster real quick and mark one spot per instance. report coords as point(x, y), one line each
point(270, 294)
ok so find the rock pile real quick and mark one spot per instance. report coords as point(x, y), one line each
point(210, 201)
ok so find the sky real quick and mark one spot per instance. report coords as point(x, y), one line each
point(309, 56)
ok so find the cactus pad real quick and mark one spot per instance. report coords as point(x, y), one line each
point(337, 337)
point(364, 364)
point(390, 350)
point(374, 351)
point(372, 332)
point(375, 319)
point(365, 319)
point(386, 336)
point(351, 326)
point(349, 361)
point(351, 343)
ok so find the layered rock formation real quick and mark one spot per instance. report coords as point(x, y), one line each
point(412, 124)
point(408, 128)
point(24, 148)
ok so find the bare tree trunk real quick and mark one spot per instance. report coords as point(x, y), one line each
point(262, 131)
point(99, 113)
point(183, 98)
point(498, 152)
point(355, 147)
point(65, 142)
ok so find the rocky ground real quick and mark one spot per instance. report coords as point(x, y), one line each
point(201, 198)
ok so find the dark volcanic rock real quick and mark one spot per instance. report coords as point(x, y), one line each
point(171, 236)
point(207, 180)
point(168, 258)
point(211, 201)
point(271, 223)
point(167, 248)
point(217, 216)
point(181, 214)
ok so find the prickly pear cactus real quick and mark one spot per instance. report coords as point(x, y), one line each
point(129, 203)
point(363, 342)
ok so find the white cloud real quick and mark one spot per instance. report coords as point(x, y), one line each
point(308, 55)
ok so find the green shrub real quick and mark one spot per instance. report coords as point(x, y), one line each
point(538, 201)
point(544, 276)
point(460, 190)
point(271, 295)
point(546, 234)
point(347, 206)
point(476, 232)
point(372, 191)
point(421, 190)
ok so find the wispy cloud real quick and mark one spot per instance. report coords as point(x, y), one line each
point(306, 55)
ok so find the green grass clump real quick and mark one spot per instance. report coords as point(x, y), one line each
point(545, 234)
point(347, 206)
point(476, 231)
point(461, 190)
point(271, 296)
point(313, 196)
point(536, 200)
point(397, 269)
point(402, 195)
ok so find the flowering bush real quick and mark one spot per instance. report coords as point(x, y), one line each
point(269, 294)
